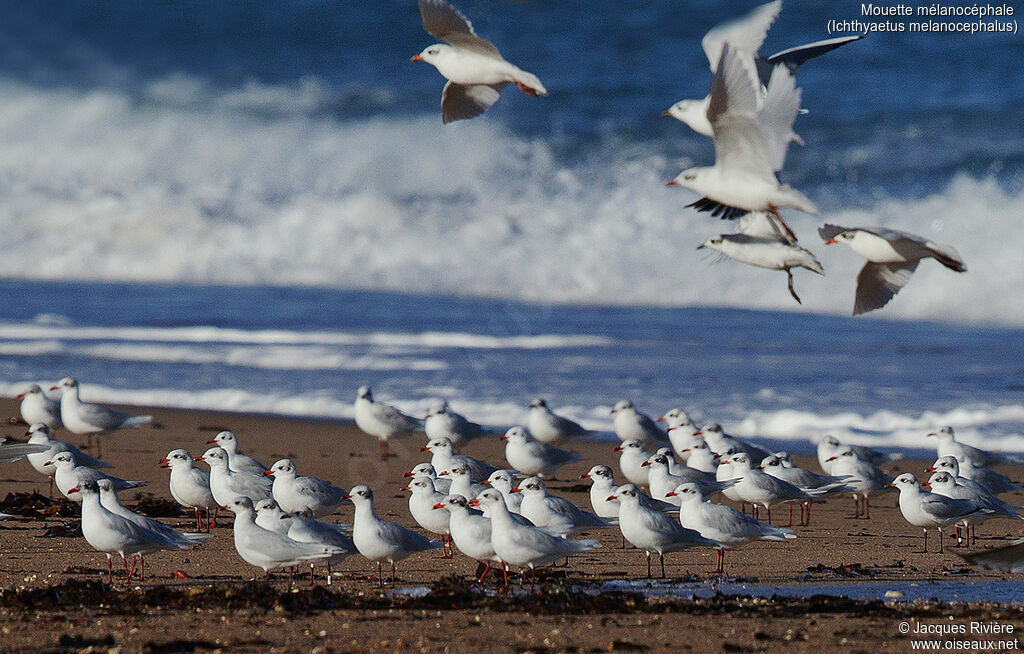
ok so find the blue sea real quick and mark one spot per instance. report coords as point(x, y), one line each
point(254, 206)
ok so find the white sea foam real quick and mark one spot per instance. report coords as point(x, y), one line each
point(185, 183)
point(207, 335)
point(995, 428)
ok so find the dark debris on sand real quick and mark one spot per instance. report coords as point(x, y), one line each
point(550, 597)
point(34, 505)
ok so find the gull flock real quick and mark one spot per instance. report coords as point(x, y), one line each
point(501, 513)
point(749, 113)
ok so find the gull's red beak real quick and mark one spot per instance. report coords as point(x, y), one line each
point(346, 496)
point(407, 474)
point(406, 488)
point(486, 482)
point(611, 497)
point(73, 490)
point(831, 241)
point(212, 441)
point(504, 437)
point(697, 433)
point(661, 419)
point(516, 490)
point(424, 449)
point(21, 395)
point(416, 58)
point(926, 483)
point(268, 473)
point(645, 464)
point(199, 458)
point(617, 448)
point(831, 458)
point(930, 469)
point(672, 183)
point(585, 475)
point(671, 494)
point(438, 506)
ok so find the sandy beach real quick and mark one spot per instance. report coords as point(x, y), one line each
point(52, 594)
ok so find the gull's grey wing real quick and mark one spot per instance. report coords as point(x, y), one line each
point(459, 101)
point(101, 416)
point(794, 57)
point(877, 283)
point(447, 23)
point(392, 416)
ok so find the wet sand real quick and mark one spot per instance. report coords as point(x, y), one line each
point(51, 586)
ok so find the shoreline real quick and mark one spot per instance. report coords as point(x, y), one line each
point(834, 549)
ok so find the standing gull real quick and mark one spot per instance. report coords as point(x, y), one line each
point(114, 534)
point(892, 258)
point(722, 523)
point(520, 544)
point(190, 486)
point(475, 69)
point(442, 422)
point(70, 475)
point(238, 462)
point(948, 445)
point(268, 549)
point(630, 423)
point(443, 457)
point(865, 478)
point(295, 492)
point(924, 509)
point(226, 485)
point(532, 457)
point(380, 540)
point(91, 419)
point(37, 406)
point(548, 427)
point(382, 420)
point(39, 434)
point(555, 514)
point(653, 531)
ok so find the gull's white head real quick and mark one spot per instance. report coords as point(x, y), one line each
point(944, 434)
point(694, 113)
point(516, 435)
point(176, 458)
point(40, 431)
point(713, 243)
point(687, 491)
point(66, 384)
point(360, 495)
point(622, 405)
point(905, 481)
point(433, 54)
point(599, 473)
point(694, 179)
point(215, 457)
point(283, 468)
point(226, 440)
